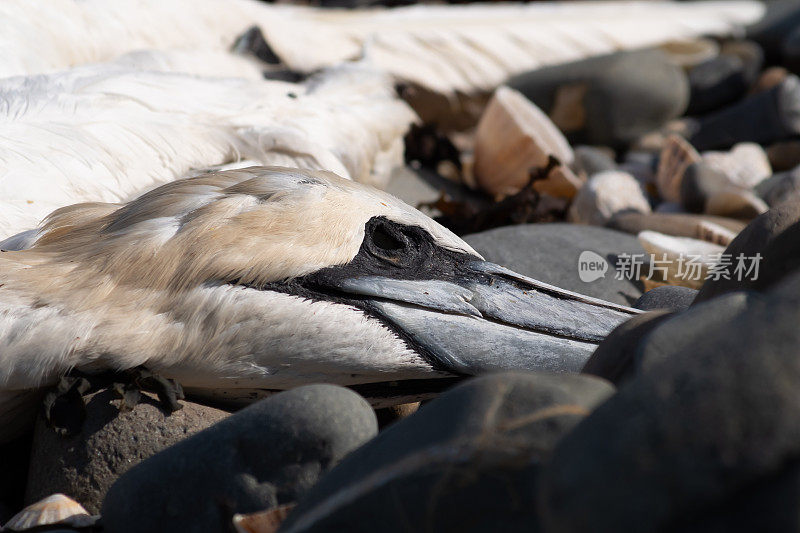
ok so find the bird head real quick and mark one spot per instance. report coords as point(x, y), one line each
point(268, 277)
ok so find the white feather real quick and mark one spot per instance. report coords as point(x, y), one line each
point(444, 48)
point(105, 133)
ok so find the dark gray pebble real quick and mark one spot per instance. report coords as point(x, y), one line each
point(268, 454)
point(550, 252)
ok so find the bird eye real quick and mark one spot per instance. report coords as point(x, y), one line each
point(385, 240)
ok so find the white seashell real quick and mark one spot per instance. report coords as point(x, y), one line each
point(676, 156)
point(688, 53)
point(746, 164)
point(675, 252)
point(513, 137)
point(606, 194)
point(263, 521)
point(55, 509)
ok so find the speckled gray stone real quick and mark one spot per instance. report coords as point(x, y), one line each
point(85, 465)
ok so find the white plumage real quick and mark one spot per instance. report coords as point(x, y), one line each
point(444, 48)
point(105, 133)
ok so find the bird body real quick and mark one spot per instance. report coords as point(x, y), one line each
point(268, 278)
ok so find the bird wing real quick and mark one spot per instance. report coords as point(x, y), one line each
point(105, 133)
point(441, 47)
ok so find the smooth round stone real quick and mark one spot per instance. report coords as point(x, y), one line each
point(746, 164)
point(791, 51)
point(606, 194)
point(714, 411)
point(615, 357)
point(749, 53)
point(766, 117)
point(620, 96)
point(784, 155)
point(670, 297)
point(736, 203)
point(778, 23)
point(265, 455)
point(592, 160)
point(758, 238)
point(466, 461)
point(110, 442)
point(780, 187)
point(550, 253)
point(716, 83)
point(700, 182)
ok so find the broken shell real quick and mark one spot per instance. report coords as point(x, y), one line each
point(675, 253)
point(263, 521)
point(56, 509)
point(676, 156)
point(606, 194)
point(689, 53)
point(745, 165)
point(514, 137)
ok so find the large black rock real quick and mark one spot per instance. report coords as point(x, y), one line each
point(467, 461)
point(268, 454)
point(709, 428)
point(775, 235)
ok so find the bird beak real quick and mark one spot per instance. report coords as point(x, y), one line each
point(490, 318)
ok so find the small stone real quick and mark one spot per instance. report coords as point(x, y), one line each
point(619, 97)
point(758, 237)
point(713, 413)
point(771, 77)
point(733, 203)
point(780, 187)
point(749, 53)
point(791, 51)
point(745, 165)
point(513, 138)
point(784, 155)
point(716, 83)
point(265, 455)
point(766, 117)
point(669, 297)
point(688, 53)
point(606, 194)
point(550, 252)
point(467, 461)
point(641, 165)
point(109, 443)
point(615, 357)
point(718, 230)
point(672, 254)
point(676, 156)
point(592, 159)
point(700, 182)
point(777, 24)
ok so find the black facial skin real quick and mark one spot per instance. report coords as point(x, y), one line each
point(390, 250)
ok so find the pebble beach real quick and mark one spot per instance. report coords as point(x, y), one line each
point(531, 268)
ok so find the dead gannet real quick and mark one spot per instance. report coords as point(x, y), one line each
point(109, 132)
point(447, 49)
point(268, 278)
